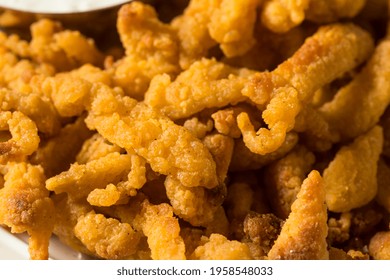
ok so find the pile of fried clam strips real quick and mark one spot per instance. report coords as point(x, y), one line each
point(226, 129)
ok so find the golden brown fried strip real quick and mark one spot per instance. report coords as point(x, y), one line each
point(283, 179)
point(57, 153)
point(81, 179)
point(162, 230)
point(206, 84)
point(26, 206)
point(24, 138)
point(39, 109)
point(303, 235)
point(52, 45)
point(359, 105)
point(106, 237)
point(218, 247)
point(151, 49)
point(282, 15)
point(167, 147)
point(232, 25)
point(192, 30)
point(379, 246)
point(331, 51)
point(350, 179)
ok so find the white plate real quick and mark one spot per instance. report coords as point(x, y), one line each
point(14, 247)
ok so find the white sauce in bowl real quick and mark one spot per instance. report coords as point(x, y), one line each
point(59, 6)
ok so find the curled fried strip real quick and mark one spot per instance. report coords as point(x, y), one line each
point(167, 147)
point(358, 106)
point(162, 230)
point(24, 136)
point(81, 179)
point(303, 235)
point(107, 237)
point(26, 206)
point(151, 48)
point(206, 84)
point(331, 51)
point(355, 188)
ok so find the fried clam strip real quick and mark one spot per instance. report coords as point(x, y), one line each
point(170, 149)
point(232, 25)
point(379, 246)
point(162, 230)
point(38, 108)
point(303, 235)
point(24, 138)
point(198, 205)
point(26, 206)
point(218, 247)
point(283, 179)
point(51, 44)
point(120, 193)
point(206, 84)
point(107, 237)
point(359, 105)
point(331, 51)
point(351, 178)
point(282, 15)
point(151, 46)
point(56, 153)
point(192, 30)
point(81, 179)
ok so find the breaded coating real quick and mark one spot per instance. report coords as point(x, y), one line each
point(26, 206)
point(283, 179)
point(167, 147)
point(198, 127)
point(331, 51)
point(37, 107)
point(359, 105)
point(383, 179)
point(303, 235)
point(106, 237)
point(351, 178)
point(151, 46)
point(218, 247)
point(81, 179)
point(244, 159)
point(282, 15)
point(57, 153)
point(225, 120)
point(196, 205)
point(162, 230)
point(52, 45)
point(24, 138)
point(379, 246)
point(232, 25)
point(192, 29)
point(206, 84)
point(339, 229)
